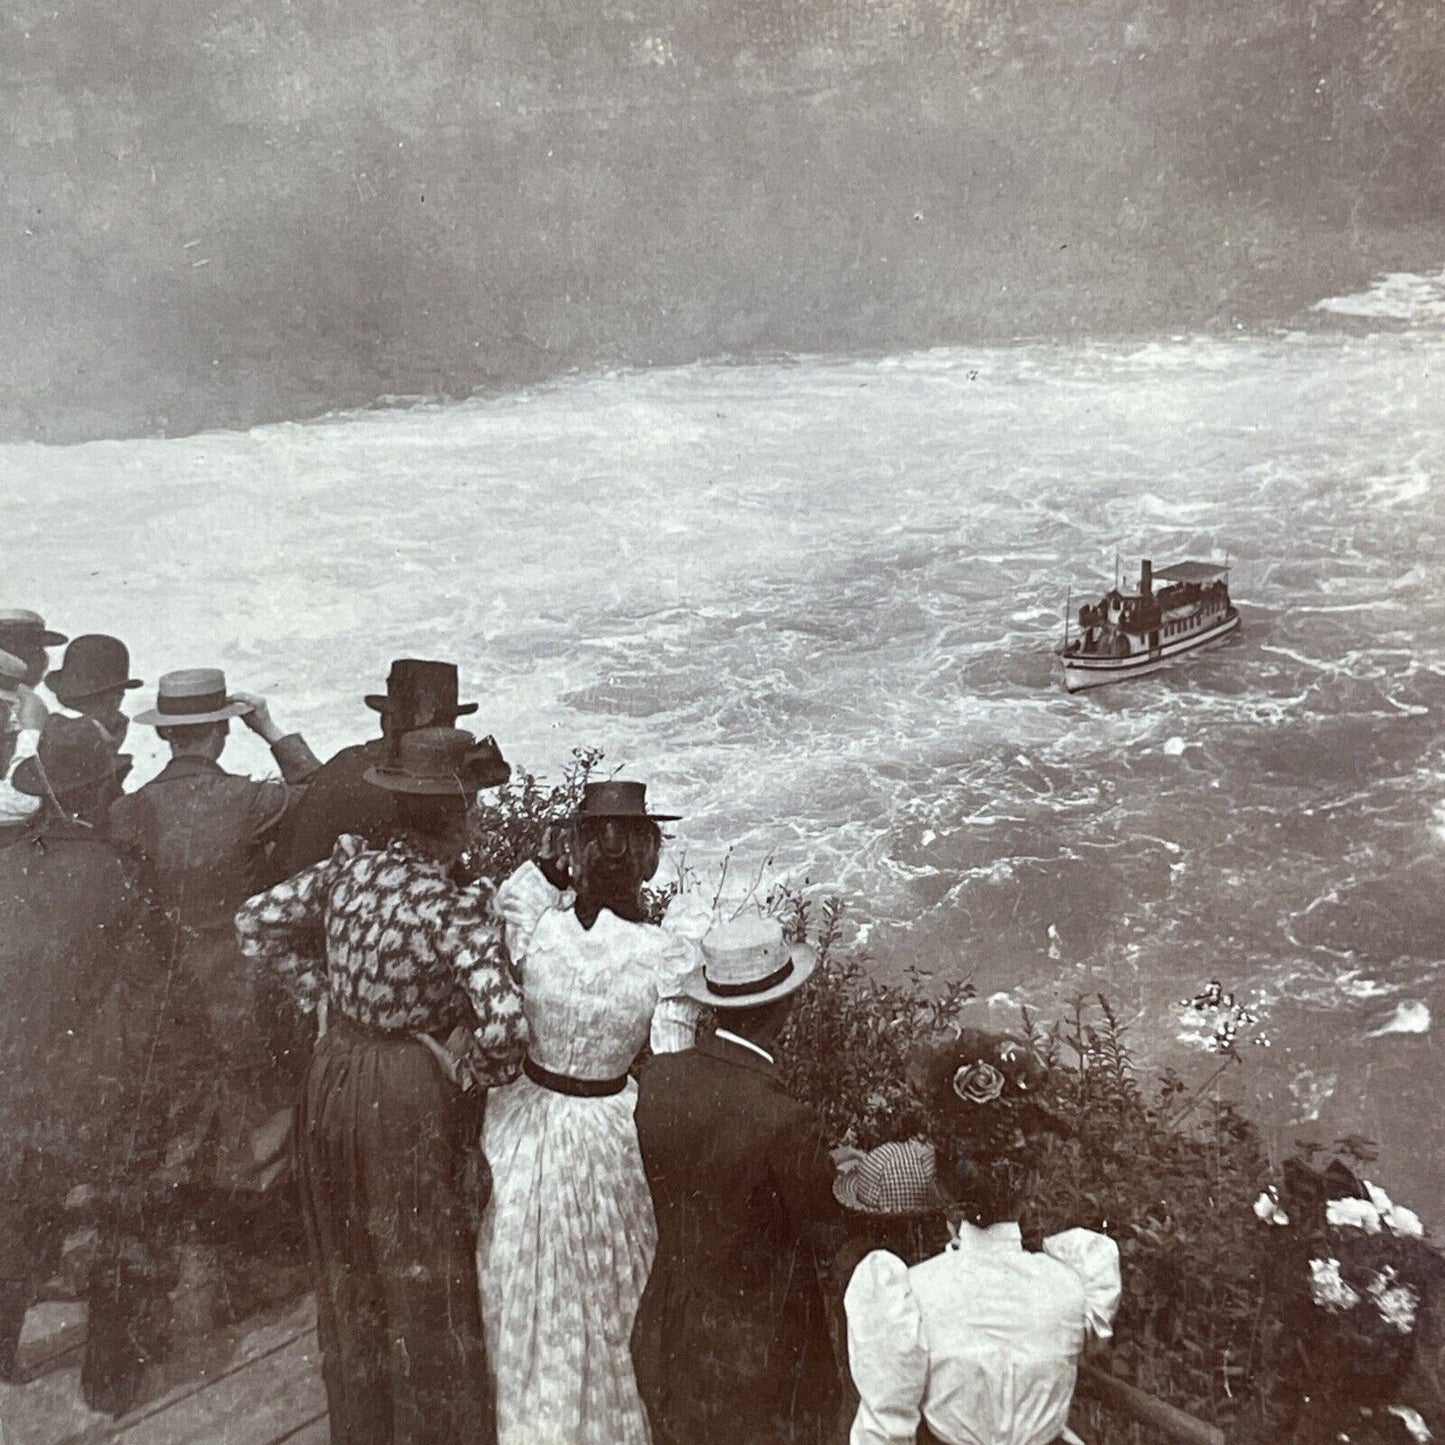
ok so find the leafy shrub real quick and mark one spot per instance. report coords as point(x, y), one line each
point(1167, 1168)
point(1169, 1174)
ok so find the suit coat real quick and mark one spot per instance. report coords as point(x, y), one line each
point(78, 927)
point(730, 1332)
point(231, 1047)
point(338, 800)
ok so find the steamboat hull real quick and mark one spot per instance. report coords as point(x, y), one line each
point(1082, 672)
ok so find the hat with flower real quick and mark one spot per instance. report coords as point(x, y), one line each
point(977, 1070)
point(984, 1096)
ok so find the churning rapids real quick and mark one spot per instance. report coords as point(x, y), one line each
point(814, 603)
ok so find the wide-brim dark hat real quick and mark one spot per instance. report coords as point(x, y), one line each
point(72, 754)
point(618, 798)
point(414, 684)
point(26, 626)
point(94, 663)
point(442, 763)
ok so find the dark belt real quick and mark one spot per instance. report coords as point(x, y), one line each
point(566, 1084)
point(395, 1036)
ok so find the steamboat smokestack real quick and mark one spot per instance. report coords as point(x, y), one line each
point(1146, 578)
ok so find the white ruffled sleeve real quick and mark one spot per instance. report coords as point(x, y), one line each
point(520, 903)
point(674, 1020)
point(887, 1352)
point(1095, 1259)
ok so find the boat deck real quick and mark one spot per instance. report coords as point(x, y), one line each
point(258, 1383)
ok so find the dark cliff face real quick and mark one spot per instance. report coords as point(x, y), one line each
point(267, 208)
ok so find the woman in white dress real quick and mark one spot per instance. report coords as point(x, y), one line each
point(978, 1345)
point(567, 1243)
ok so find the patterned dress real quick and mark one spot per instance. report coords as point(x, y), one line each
point(398, 951)
point(565, 1249)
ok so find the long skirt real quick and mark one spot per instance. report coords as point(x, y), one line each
point(565, 1250)
point(383, 1146)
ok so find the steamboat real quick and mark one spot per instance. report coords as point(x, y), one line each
point(1129, 634)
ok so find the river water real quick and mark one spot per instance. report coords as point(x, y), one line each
point(814, 604)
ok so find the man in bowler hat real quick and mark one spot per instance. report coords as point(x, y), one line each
point(419, 694)
point(79, 935)
point(731, 1333)
point(93, 681)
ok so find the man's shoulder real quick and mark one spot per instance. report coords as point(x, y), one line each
point(701, 1068)
point(350, 761)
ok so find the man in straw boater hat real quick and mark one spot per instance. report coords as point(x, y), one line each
point(731, 1334)
point(23, 634)
point(981, 1341)
point(423, 1014)
point(207, 836)
point(79, 931)
point(419, 694)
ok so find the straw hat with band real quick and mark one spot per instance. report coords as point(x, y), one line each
point(442, 763)
point(194, 695)
point(72, 754)
point(26, 626)
point(747, 962)
point(94, 663)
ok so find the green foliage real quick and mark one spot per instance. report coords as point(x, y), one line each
point(847, 1039)
point(509, 825)
point(1166, 1167)
point(1168, 1172)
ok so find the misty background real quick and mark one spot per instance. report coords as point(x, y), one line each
point(221, 214)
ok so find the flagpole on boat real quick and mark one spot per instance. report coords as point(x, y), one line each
point(1068, 607)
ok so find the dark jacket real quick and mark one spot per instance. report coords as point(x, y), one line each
point(339, 800)
point(230, 1049)
point(731, 1319)
point(78, 930)
point(208, 833)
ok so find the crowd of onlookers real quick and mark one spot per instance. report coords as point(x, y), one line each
point(551, 1186)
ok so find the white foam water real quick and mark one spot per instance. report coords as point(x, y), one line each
point(1398, 296)
point(815, 605)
